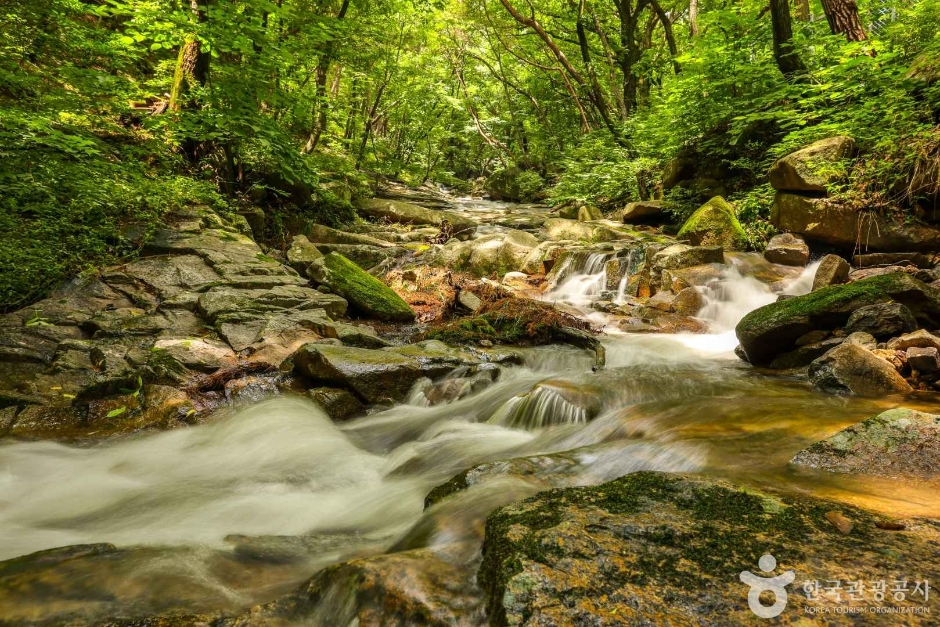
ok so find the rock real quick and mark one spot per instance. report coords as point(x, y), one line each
point(840, 522)
point(654, 548)
point(871, 260)
point(643, 212)
point(774, 329)
point(924, 360)
point(881, 320)
point(896, 443)
point(365, 293)
point(337, 403)
point(469, 301)
point(216, 303)
point(495, 254)
point(662, 301)
point(804, 355)
point(203, 355)
point(561, 229)
point(302, 253)
point(688, 302)
point(832, 270)
point(680, 256)
point(927, 276)
point(320, 234)
point(919, 339)
point(377, 376)
point(865, 340)
point(407, 213)
point(364, 256)
point(787, 249)
point(812, 337)
point(514, 249)
point(714, 224)
point(588, 213)
point(897, 359)
point(829, 221)
point(851, 369)
point(812, 168)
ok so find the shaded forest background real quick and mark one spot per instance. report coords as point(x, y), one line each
point(113, 112)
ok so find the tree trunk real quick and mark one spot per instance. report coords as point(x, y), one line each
point(787, 59)
point(802, 10)
point(843, 19)
point(693, 17)
point(322, 102)
point(192, 69)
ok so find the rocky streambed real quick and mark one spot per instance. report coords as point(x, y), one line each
point(542, 422)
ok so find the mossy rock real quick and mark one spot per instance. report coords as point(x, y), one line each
point(364, 292)
point(813, 168)
point(655, 548)
point(714, 224)
point(773, 329)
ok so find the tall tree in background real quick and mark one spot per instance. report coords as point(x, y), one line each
point(802, 10)
point(784, 53)
point(321, 103)
point(843, 19)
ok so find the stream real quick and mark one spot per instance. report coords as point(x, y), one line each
point(242, 510)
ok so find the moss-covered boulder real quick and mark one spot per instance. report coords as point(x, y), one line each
point(660, 549)
point(714, 224)
point(896, 443)
point(814, 167)
point(365, 293)
point(774, 329)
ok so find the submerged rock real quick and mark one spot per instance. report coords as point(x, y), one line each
point(653, 548)
point(896, 443)
point(365, 293)
point(851, 369)
point(714, 224)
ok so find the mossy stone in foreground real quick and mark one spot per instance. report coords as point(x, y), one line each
point(773, 329)
point(364, 292)
point(661, 549)
point(714, 224)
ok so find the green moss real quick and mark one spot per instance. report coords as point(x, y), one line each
point(365, 292)
point(715, 223)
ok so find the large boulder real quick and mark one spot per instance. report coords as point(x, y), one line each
point(918, 339)
point(827, 220)
point(881, 320)
point(714, 224)
point(896, 443)
point(489, 255)
point(654, 548)
point(365, 293)
point(787, 249)
point(643, 212)
point(407, 213)
point(680, 256)
point(514, 184)
point(364, 255)
point(302, 253)
point(320, 234)
point(561, 229)
point(773, 329)
point(377, 376)
point(811, 169)
point(851, 369)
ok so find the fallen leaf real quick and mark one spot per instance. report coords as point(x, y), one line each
point(889, 525)
point(840, 522)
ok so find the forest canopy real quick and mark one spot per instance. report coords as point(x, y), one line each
point(113, 112)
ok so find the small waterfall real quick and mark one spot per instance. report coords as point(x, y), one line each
point(548, 404)
point(730, 298)
point(580, 285)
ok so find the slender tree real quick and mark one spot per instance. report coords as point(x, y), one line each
point(843, 19)
point(787, 59)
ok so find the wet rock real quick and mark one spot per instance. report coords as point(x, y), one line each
point(871, 260)
point(811, 169)
point(851, 369)
point(881, 320)
point(804, 355)
point(897, 359)
point(840, 522)
point(662, 301)
point(679, 256)
point(812, 337)
point(337, 403)
point(924, 360)
point(643, 212)
point(377, 376)
point(774, 329)
point(365, 293)
point(920, 339)
point(688, 302)
point(561, 229)
point(203, 355)
point(832, 270)
point(407, 213)
point(653, 548)
point(896, 443)
point(829, 221)
point(489, 255)
point(787, 249)
point(302, 253)
point(714, 224)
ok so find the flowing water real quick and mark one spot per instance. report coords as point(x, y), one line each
point(240, 511)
